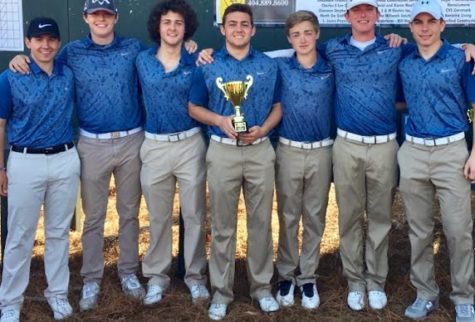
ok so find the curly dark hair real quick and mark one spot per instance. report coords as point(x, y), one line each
point(178, 6)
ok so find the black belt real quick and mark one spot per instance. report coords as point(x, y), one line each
point(49, 150)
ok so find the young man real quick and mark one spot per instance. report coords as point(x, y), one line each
point(303, 161)
point(364, 153)
point(106, 84)
point(43, 169)
point(239, 160)
point(434, 159)
point(173, 150)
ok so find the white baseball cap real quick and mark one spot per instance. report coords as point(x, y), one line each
point(353, 3)
point(432, 7)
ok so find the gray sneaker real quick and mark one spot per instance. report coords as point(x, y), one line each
point(420, 308)
point(154, 295)
point(60, 307)
point(10, 315)
point(132, 287)
point(199, 292)
point(89, 296)
point(464, 313)
point(268, 304)
point(217, 311)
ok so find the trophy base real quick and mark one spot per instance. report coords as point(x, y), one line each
point(240, 127)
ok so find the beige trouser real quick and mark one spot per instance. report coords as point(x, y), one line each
point(365, 180)
point(163, 164)
point(229, 169)
point(425, 171)
point(303, 180)
point(99, 160)
point(33, 180)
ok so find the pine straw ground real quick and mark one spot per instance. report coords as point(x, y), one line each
point(177, 306)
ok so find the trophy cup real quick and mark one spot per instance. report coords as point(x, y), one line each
point(235, 92)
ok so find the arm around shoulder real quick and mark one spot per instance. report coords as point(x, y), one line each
point(20, 64)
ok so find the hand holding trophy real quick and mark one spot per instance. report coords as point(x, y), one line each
point(235, 92)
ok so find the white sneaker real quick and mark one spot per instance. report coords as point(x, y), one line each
point(464, 313)
point(356, 300)
point(268, 304)
point(131, 286)
point(421, 308)
point(285, 294)
point(60, 307)
point(89, 296)
point(217, 311)
point(377, 300)
point(154, 294)
point(199, 292)
point(310, 297)
point(10, 315)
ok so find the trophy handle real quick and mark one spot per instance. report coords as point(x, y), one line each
point(220, 85)
point(250, 81)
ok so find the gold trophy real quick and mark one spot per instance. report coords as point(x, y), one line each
point(236, 92)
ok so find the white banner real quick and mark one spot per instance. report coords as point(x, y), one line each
point(331, 12)
point(11, 25)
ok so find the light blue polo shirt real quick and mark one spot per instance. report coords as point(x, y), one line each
point(106, 83)
point(307, 98)
point(366, 85)
point(437, 92)
point(38, 107)
point(261, 96)
point(165, 94)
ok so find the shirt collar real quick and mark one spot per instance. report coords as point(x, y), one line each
point(441, 53)
point(89, 43)
point(224, 53)
point(35, 69)
point(379, 39)
point(320, 66)
point(186, 58)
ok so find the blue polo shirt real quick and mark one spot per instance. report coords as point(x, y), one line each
point(261, 95)
point(165, 94)
point(366, 85)
point(106, 83)
point(306, 98)
point(38, 107)
point(437, 92)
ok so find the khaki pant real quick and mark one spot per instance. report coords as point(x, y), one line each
point(424, 172)
point(229, 169)
point(365, 180)
point(303, 180)
point(163, 164)
point(100, 159)
point(33, 180)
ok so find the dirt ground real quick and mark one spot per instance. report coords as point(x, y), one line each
point(177, 306)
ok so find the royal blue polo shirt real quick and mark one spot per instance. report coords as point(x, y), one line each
point(261, 95)
point(366, 85)
point(165, 94)
point(38, 107)
point(307, 98)
point(106, 83)
point(437, 92)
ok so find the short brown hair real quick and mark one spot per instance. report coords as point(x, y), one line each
point(238, 7)
point(301, 16)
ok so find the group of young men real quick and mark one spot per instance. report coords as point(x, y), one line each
point(351, 81)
